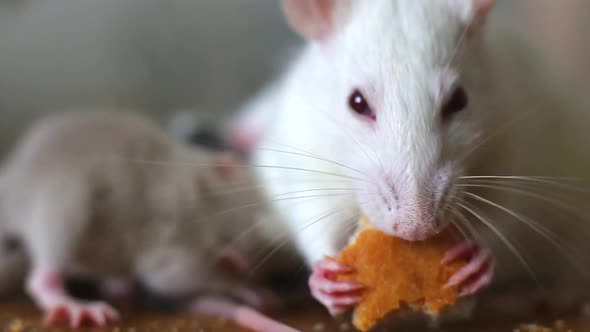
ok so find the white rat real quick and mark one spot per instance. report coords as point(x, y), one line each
point(385, 111)
point(107, 194)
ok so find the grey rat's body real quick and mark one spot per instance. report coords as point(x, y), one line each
point(395, 108)
point(108, 194)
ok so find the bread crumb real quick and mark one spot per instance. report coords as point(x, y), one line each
point(16, 325)
point(398, 275)
point(319, 327)
point(344, 326)
point(558, 326)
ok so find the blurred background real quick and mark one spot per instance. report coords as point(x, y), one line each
point(160, 56)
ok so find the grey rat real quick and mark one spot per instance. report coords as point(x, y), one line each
point(108, 195)
point(406, 111)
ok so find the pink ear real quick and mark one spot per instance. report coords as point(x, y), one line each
point(482, 9)
point(480, 12)
point(473, 12)
point(312, 19)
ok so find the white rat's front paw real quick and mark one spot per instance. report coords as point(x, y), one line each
point(336, 296)
point(479, 270)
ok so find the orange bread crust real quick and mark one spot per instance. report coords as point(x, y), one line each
point(399, 274)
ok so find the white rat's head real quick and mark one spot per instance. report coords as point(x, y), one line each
point(397, 76)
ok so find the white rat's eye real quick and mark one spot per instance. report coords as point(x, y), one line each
point(358, 103)
point(457, 102)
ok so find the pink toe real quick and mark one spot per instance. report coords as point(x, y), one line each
point(76, 318)
point(346, 301)
point(338, 303)
point(340, 306)
point(461, 251)
point(98, 317)
point(112, 315)
point(54, 316)
point(327, 286)
point(481, 281)
point(336, 296)
point(476, 286)
point(469, 270)
point(333, 266)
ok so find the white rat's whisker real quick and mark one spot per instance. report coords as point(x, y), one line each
point(465, 222)
point(460, 224)
point(351, 138)
point(352, 224)
point(460, 42)
point(193, 165)
point(296, 149)
point(314, 157)
point(523, 177)
point(541, 229)
point(502, 129)
point(553, 181)
point(319, 157)
point(532, 186)
point(511, 246)
point(282, 243)
point(375, 159)
point(218, 214)
point(567, 208)
point(459, 227)
point(455, 223)
point(349, 190)
point(254, 188)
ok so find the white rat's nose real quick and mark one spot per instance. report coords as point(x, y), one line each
point(408, 210)
point(415, 218)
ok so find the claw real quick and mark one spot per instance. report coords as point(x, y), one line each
point(474, 276)
point(336, 296)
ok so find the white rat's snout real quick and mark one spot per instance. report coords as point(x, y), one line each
point(408, 207)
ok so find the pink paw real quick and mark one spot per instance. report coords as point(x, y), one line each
point(336, 296)
point(77, 313)
point(478, 272)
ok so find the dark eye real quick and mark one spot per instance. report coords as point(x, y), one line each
point(358, 103)
point(457, 102)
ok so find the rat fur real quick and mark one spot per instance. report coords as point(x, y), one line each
point(107, 194)
point(411, 153)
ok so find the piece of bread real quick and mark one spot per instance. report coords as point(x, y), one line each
point(398, 274)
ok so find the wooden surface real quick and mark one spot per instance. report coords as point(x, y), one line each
point(15, 317)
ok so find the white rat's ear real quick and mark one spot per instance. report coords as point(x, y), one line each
point(473, 12)
point(312, 19)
